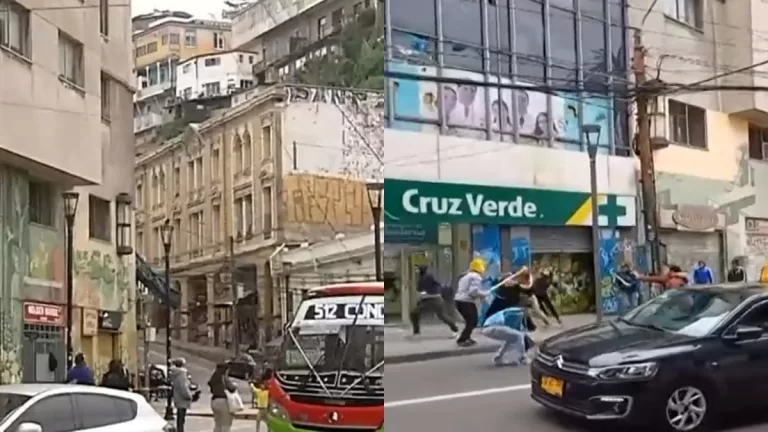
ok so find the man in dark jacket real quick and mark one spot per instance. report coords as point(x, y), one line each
point(430, 299)
point(115, 377)
point(736, 273)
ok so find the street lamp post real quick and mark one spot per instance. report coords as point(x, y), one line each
point(70, 210)
point(375, 190)
point(287, 265)
point(592, 136)
point(167, 234)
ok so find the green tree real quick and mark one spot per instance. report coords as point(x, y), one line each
point(358, 61)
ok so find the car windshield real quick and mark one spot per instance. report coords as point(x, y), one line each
point(9, 402)
point(692, 312)
point(326, 350)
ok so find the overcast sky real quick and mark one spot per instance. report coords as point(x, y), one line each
point(198, 8)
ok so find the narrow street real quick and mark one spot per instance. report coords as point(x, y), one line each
point(462, 394)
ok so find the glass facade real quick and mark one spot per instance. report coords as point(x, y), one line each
point(524, 71)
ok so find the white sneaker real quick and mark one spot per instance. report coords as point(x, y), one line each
point(455, 335)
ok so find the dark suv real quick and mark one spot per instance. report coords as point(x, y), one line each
point(672, 364)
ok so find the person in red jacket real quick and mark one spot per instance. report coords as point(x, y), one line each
point(670, 277)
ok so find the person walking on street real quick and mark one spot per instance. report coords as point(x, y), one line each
point(736, 273)
point(115, 377)
point(541, 287)
point(468, 291)
point(703, 275)
point(80, 372)
point(430, 299)
point(178, 378)
point(219, 384)
point(627, 287)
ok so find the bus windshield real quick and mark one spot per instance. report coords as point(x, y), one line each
point(364, 346)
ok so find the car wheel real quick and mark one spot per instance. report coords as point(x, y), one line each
point(687, 408)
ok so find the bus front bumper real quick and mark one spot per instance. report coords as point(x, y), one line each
point(280, 425)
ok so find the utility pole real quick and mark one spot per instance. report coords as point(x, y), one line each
point(644, 151)
point(235, 296)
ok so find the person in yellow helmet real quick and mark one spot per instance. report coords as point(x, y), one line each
point(469, 289)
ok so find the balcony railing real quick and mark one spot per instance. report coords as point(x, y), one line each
point(152, 90)
point(146, 121)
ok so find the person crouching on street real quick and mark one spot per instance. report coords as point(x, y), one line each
point(504, 321)
point(468, 291)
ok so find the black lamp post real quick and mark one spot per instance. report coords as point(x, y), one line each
point(375, 190)
point(287, 265)
point(70, 210)
point(592, 136)
point(166, 231)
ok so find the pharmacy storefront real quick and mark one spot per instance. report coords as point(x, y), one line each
point(512, 227)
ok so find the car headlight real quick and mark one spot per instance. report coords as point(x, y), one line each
point(278, 411)
point(626, 372)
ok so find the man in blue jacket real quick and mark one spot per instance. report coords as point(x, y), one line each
point(703, 275)
point(80, 372)
point(430, 299)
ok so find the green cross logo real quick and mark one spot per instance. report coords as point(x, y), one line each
point(612, 210)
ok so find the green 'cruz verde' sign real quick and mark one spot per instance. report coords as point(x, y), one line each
point(416, 202)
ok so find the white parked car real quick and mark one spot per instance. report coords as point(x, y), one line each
point(75, 408)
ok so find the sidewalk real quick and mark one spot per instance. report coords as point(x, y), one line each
point(435, 341)
point(247, 414)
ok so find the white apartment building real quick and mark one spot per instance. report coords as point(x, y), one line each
point(66, 90)
point(216, 74)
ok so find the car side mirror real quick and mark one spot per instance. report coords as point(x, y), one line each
point(748, 333)
point(29, 427)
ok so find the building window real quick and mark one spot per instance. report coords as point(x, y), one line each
point(104, 17)
point(151, 47)
point(687, 11)
point(212, 61)
point(247, 152)
point(337, 17)
point(176, 241)
point(174, 38)
point(266, 142)
point(191, 176)
point(196, 231)
point(248, 215)
point(322, 28)
point(14, 27)
point(250, 59)
point(157, 243)
point(163, 190)
point(215, 160)
point(164, 40)
point(186, 68)
point(687, 124)
point(216, 225)
point(199, 171)
point(176, 181)
point(758, 143)
point(190, 38)
point(41, 203)
point(237, 151)
point(212, 89)
point(99, 219)
point(187, 93)
point(218, 41)
point(266, 206)
point(105, 97)
point(71, 60)
point(244, 216)
point(139, 196)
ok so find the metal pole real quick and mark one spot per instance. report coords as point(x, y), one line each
point(377, 242)
point(288, 298)
point(169, 395)
point(595, 231)
point(70, 289)
point(233, 285)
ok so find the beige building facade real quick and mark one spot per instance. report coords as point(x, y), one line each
point(66, 120)
point(271, 173)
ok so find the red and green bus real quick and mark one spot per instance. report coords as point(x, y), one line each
point(330, 372)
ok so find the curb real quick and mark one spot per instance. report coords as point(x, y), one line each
point(436, 355)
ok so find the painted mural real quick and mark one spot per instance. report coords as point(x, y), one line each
point(417, 108)
point(739, 199)
point(14, 258)
point(101, 281)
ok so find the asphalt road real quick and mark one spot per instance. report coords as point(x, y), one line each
point(464, 394)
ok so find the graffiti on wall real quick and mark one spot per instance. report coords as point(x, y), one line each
point(101, 281)
point(14, 267)
point(47, 261)
point(363, 125)
point(417, 108)
point(328, 201)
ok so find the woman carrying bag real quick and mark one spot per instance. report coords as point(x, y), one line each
point(225, 400)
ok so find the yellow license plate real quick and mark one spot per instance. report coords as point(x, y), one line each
point(552, 386)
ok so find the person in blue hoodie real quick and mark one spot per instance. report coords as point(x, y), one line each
point(430, 299)
point(703, 275)
point(80, 372)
